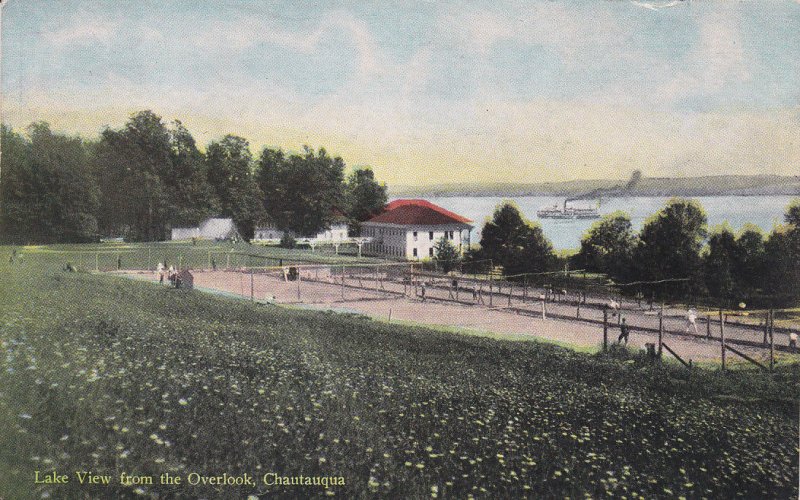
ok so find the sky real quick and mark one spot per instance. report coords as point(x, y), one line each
point(429, 92)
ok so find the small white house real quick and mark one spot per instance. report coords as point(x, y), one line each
point(209, 229)
point(271, 234)
point(337, 232)
point(411, 228)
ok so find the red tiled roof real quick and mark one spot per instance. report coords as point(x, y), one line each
point(419, 212)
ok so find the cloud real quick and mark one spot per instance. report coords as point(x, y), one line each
point(565, 29)
point(718, 61)
point(84, 28)
point(246, 32)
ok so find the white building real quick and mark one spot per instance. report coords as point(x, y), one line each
point(336, 232)
point(209, 229)
point(268, 233)
point(411, 228)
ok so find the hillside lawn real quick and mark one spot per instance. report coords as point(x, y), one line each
point(110, 375)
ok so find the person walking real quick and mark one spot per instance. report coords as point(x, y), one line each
point(160, 272)
point(422, 291)
point(624, 332)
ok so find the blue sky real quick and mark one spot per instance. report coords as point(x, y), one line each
point(430, 92)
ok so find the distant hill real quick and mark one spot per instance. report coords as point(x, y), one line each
point(743, 185)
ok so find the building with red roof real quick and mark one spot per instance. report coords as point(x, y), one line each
point(411, 228)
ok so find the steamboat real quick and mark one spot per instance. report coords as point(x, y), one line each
point(567, 212)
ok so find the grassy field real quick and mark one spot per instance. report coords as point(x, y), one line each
point(109, 375)
point(107, 256)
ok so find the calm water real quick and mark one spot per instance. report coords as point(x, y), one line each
point(763, 211)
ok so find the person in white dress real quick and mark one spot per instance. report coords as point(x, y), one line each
point(691, 320)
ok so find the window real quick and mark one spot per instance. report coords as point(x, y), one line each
point(430, 252)
point(415, 252)
point(415, 238)
point(451, 235)
point(430, 235)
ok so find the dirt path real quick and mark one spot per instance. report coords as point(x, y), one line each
point(519, 319)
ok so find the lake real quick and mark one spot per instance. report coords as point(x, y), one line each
point(763, 211)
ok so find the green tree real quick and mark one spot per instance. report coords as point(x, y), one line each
point(719, 265)
point(509, 240)
point(302, 193)
point(782, 258)
point(18, 205)
point(781, 266)
point(749, 260)
point(230, 172)
point(608, 246)
point(535, 256)
point(192, 196)
point(49, 192)
point(792, 216)
point(365, 197)
point(446, 255)
point(131, 165)
point(670, 243)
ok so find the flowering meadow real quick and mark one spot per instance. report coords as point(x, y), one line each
point(102, 374)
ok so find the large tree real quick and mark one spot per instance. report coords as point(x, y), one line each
point(191, 195)
point(230, 171)
point(782, 258)
point(132, 164)
point(18, 206)
point(749, 260)
point(49, 192)
point(303, 193)
point(670, 243)
point(608, 246)
point(364, 196)
point(511, 241)
point(719, 265)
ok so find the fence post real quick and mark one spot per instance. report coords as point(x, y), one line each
point(708, 326)
point(342, 282)
point(544, 308)
point(252, 287)
point(578, 312)
point(722, 336)
point(771, 340)
point(491, 283)
point(510, 293)
point(605, 329)
point(524, 289)
point(660, 330)
point(298, 283)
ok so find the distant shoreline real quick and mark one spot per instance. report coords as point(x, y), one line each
point(724, 185)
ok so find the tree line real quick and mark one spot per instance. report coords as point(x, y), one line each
point(674, 247)
point(143, 179)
